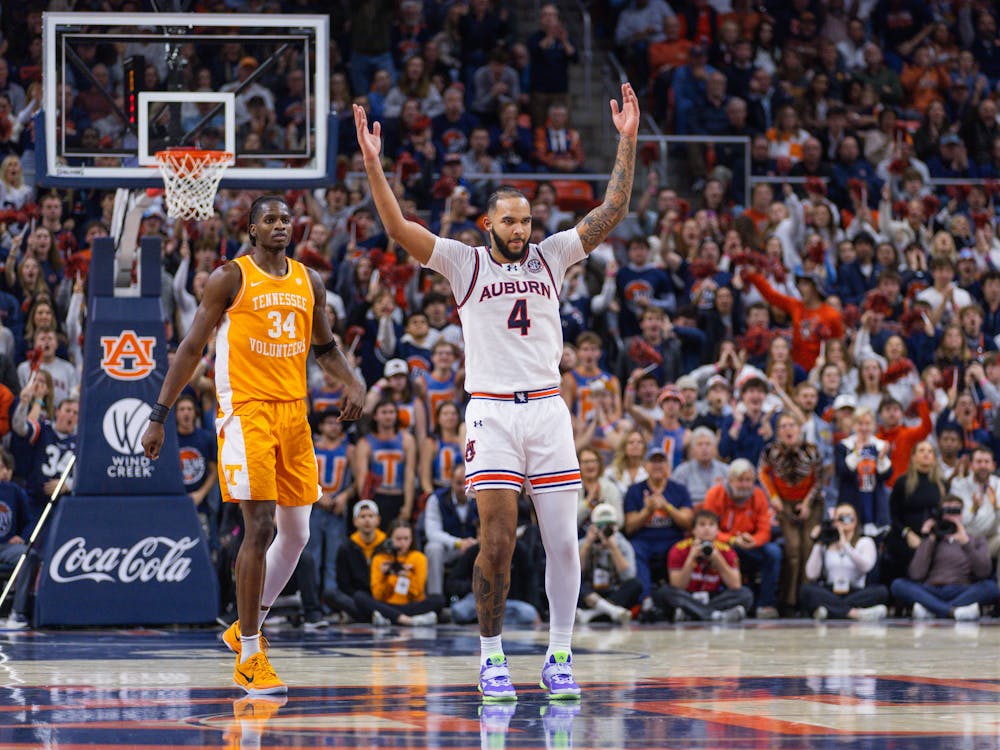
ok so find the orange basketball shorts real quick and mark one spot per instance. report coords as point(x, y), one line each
point(266, 453)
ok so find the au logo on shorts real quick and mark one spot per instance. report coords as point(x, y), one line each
point(470, 450)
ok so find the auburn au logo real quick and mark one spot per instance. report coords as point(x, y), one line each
point(128, 356)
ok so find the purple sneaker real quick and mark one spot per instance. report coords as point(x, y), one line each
point(557, 676)
point(494, 680)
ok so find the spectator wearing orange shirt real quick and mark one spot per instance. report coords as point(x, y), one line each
point(745, 524)
point(557, 145)
point(813, 321)
point(923, 80)
point(902, 439)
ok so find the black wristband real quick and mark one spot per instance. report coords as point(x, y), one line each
point(159, 413)
point(320, 349)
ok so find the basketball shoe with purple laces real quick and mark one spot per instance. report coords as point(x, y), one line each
point(494, 680)
point(557, 676)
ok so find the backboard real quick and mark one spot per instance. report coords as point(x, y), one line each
point(121, 86)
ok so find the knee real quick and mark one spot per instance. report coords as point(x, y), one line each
point(295, 538)
point(434, 550)
point(772, 552)
point(260, 533)
point(497, 547)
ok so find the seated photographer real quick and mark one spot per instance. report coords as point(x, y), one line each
point(450, 522)
point(607, 564)
point(836, 569)
point(705, 581)
point(949, 573)
point(745, 524)
point(398, 578)
point(354, 560)
point(980, 493)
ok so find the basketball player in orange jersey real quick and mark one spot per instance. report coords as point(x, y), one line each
point(268, 309)
point(518, 429)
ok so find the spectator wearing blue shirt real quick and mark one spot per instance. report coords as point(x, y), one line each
point(14, 525)
point(952, 161)
point(748, 430)
point(198, 450)
point(658, 514)
point(641, 285)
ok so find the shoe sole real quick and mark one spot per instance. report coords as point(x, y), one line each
point(276, 690)
point(561, 695)
point(507, 698)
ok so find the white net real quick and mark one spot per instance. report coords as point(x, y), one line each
point(191, 179)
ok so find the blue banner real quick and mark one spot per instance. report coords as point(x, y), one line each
point(126, 561)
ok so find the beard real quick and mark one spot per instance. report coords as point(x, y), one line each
point(504, 249)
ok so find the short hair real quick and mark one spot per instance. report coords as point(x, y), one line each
point(588, 337)
point(699, 432)
point(705, 513)
point(941, 261)
point(739, 467)
point(257, 207)
point(432, 299)
point(504, 191)
point(991, 275)
point(888, 402)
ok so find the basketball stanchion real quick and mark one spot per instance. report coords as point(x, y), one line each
point(38, 526)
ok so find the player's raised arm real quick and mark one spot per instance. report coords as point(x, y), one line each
point(597, 225)
point(416, 240)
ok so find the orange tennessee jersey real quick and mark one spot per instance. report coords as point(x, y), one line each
point(263, 341)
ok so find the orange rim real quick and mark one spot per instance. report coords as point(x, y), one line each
point(176, 155)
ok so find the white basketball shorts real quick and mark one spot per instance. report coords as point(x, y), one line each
point(520, 437)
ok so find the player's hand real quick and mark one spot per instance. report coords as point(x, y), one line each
point(152, 440)
point(626, 119)
point(370, 141)
point(352, 402)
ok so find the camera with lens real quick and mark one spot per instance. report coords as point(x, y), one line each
point(944, 527)
point(706, 548)
point(395, 566)
point(607, 531)
point(828, 533)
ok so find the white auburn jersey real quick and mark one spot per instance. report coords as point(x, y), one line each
point(509, 311)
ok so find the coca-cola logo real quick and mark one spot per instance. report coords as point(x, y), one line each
point(155, 558)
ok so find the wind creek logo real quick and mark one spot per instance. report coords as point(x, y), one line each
point(124, 422)
point(158, 558)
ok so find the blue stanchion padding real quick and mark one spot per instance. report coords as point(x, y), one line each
point(126, 561)
point(125, 362)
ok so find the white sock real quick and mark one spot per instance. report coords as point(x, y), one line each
point(556, 512)
point(559, 640)
point(488, 646)
point(264, 611)
point(250, 645)
point(283, 554)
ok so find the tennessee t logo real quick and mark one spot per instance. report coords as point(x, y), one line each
point(231, 471)
point(127, 348)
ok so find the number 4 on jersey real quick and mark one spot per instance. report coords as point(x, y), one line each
point(519, 317)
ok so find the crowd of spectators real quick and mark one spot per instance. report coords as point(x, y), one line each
point(782, 392)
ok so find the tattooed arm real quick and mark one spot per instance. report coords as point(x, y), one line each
point(597, 225)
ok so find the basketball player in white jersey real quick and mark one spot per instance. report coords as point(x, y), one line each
point(518, 426)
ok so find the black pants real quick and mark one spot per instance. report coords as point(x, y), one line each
point(813, 595)
point(668, 598)
point(626, 594)
point(389, 505)
point(366, 604)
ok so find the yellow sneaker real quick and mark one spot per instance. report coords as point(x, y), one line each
point(231, 637)
point(257, 677)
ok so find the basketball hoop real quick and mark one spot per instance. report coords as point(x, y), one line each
point(191, 178)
